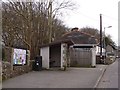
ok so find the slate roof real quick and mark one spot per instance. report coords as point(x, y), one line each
point(58, 42)
point(78, 37)
point(74, 37)
point(113, 46)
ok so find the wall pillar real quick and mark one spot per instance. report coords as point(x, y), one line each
point(94, 57)
point(63, 55)
point(28, 57)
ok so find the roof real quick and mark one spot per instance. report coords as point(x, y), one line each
point(78, 37)
point(113, 46)
point(58, 42)
point(74, 37)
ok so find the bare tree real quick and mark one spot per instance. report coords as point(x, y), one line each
point(27, 24)
point(55, 10)
point(92, 31)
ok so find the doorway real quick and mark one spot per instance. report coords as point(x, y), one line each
point(55, 56)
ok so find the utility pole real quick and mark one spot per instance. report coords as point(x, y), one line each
point(50, 20)
point(101, 38)
point(105, 42)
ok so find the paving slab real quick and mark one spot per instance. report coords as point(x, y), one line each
point(110, 77)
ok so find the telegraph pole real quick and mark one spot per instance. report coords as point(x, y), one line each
point(101, 38)
point(50, 20)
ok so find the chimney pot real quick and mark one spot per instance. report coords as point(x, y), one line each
point(75, 29)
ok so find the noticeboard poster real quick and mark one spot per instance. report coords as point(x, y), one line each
point(19, 57)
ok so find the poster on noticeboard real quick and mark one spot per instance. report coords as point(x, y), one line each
point(19, 57)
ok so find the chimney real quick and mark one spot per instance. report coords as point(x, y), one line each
point(75, 29)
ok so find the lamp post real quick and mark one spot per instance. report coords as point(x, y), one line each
point(100, 38)
point(105, 42)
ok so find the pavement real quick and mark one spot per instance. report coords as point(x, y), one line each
point(71, 78)
point(110, 77)
point(0, 75)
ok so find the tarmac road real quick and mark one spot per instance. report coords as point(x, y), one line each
point(72, 78)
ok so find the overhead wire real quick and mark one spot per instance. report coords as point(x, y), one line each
point(113, 18)
point(97, 20)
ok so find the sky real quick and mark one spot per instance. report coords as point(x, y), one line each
point(119, 24)
point(88, 14)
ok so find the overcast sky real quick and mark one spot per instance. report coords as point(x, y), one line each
point(87, 14)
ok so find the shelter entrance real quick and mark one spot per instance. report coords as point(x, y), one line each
point(55, 56)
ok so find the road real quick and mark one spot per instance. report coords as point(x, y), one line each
point(72, 78)
point(110, 77)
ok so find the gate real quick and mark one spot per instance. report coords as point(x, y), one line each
point(80, 57)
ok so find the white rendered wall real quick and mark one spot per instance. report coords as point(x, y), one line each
point(44, 52)
point(94, 56)
point(98, 50)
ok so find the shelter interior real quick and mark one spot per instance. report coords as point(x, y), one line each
point(55, 56)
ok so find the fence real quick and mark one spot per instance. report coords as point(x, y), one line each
point(80, 57)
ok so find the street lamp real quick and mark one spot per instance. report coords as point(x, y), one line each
point(105, 42)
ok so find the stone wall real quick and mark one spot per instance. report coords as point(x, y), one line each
point(8, 70)
point(7, 51)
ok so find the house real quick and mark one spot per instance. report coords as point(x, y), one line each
point(98, 51)
point(74, 48)
point(111, 49)
point(108, 51)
